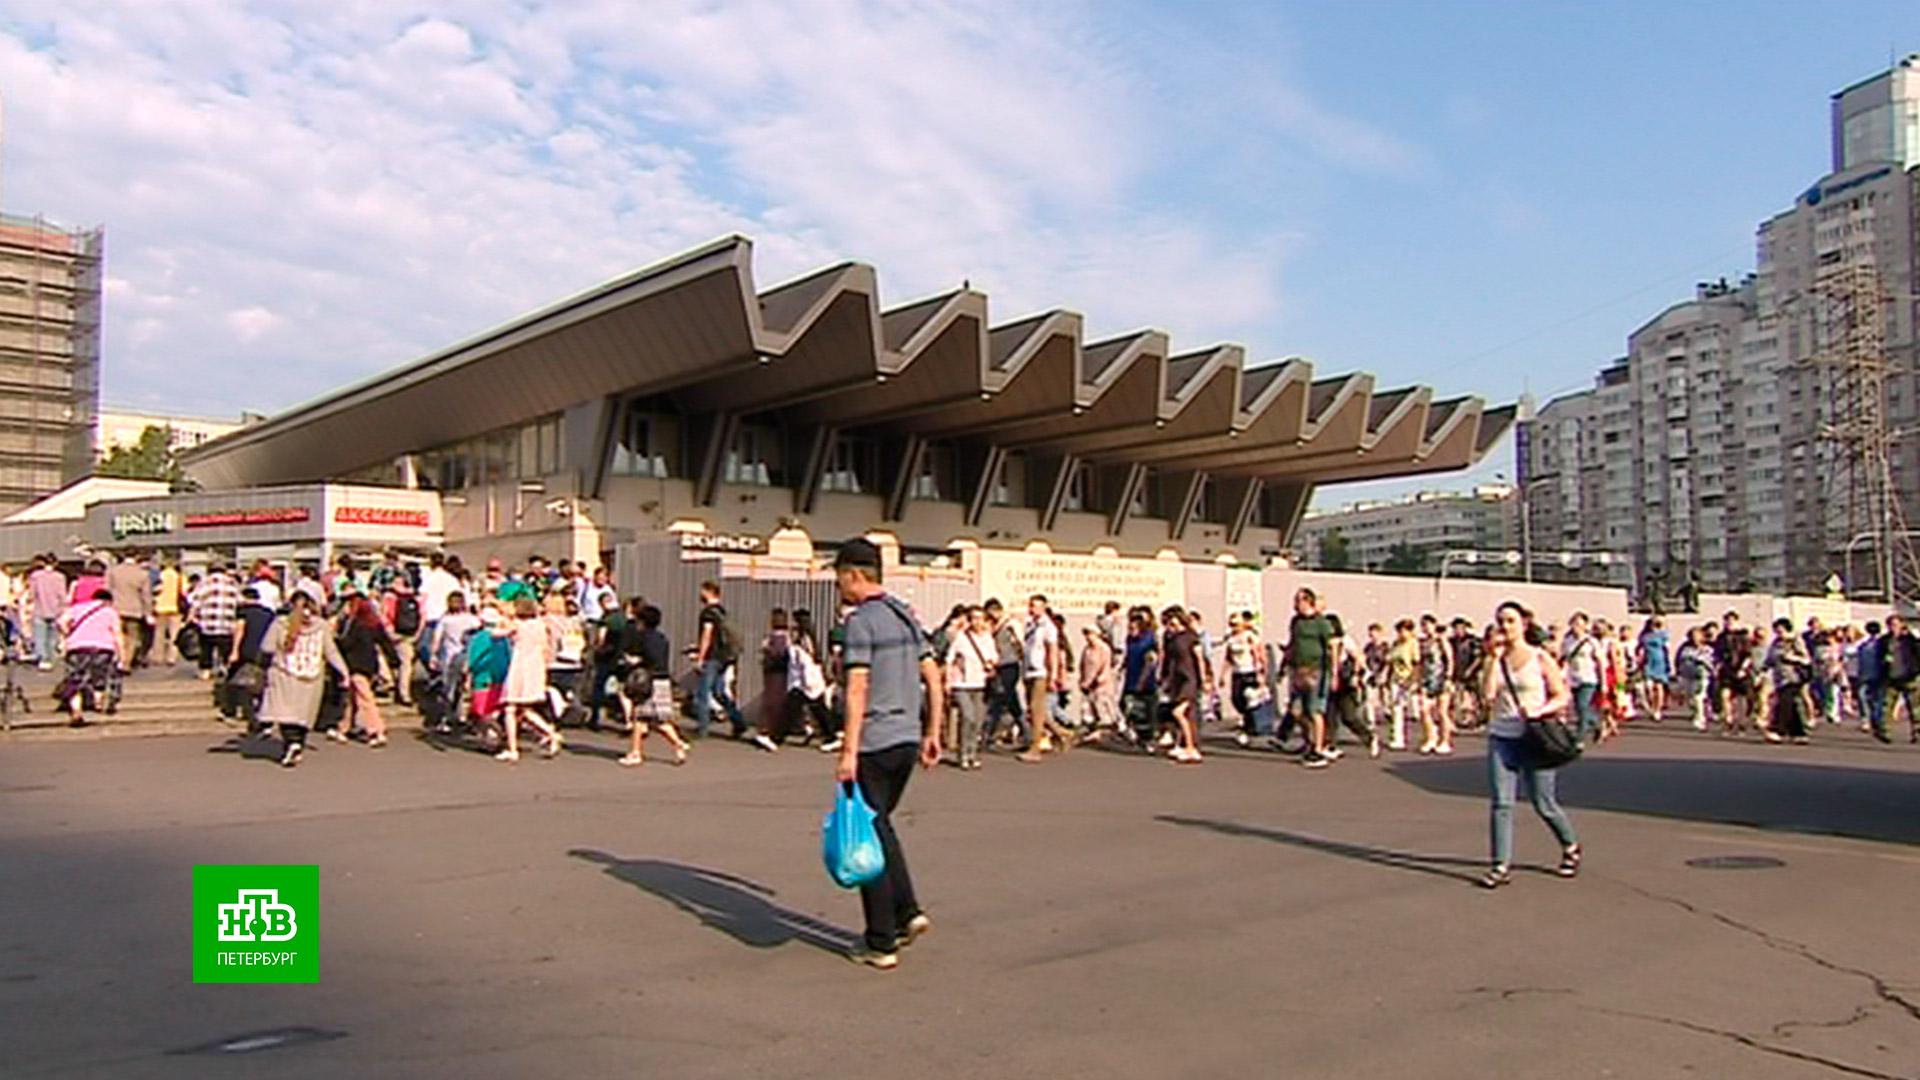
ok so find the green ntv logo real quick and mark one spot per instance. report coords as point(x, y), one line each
point(256, 924)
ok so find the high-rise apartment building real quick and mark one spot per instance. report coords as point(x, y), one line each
point(1852, 226)
point(1877, 120)
point(1711, 446)
point(49, 356)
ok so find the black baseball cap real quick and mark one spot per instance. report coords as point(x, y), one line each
point(858, 553)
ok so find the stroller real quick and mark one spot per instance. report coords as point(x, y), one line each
point(440, 705)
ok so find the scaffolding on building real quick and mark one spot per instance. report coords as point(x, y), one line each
point(1850, 357)
point(50, 324)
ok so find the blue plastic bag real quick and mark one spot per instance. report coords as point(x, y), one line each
point(848, 843)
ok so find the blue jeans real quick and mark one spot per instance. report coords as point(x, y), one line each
point(713, 688)
point(1507, 768)
point(46, 638)
point(1586, 715)
point(1873, 706)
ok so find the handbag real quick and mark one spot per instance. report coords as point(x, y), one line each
point(248, 678)
point(1549, 743)
point(188, 642)
point(849, 844)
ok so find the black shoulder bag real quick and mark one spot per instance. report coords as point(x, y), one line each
point(1548, 741)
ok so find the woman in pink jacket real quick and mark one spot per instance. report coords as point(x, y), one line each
point(92, 631)
point(1099, 682)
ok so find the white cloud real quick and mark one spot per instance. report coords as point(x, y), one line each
point(322, 189)
point(250, 324)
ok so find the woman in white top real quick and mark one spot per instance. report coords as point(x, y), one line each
point(970, 661)
point(526, 686)
point(1246, 687)
point(1521, 684)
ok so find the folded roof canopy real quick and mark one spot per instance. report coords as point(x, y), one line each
point(822, 350)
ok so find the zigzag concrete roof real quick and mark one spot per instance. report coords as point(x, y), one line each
point(821, 349)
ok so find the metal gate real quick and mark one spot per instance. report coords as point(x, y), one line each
point(669, 579)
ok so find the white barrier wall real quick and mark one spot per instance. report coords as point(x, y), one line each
point(1360, 599)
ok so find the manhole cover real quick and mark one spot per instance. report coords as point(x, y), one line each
point(1736, 862)
point(256, 1041)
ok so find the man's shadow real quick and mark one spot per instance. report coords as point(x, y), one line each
point(732, 905)
point(1435, 865)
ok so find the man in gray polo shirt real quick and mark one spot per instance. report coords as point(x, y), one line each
point(889, 725)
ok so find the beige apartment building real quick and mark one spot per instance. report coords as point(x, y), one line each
point(49, 356)
point(1430, 523)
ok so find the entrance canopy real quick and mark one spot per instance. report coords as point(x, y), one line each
point(824, 351)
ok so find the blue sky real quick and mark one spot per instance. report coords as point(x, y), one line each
point(1483, 197)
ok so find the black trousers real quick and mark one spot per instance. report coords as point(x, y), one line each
point(888, 902)
point(1004, 698)
point(213, 651)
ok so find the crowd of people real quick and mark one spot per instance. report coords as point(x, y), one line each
point(487, 656)
point(560, 648)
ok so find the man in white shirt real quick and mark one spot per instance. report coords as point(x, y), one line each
point(597, 596)
point(1042, 667)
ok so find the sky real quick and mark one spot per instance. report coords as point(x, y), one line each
point(1482, 197)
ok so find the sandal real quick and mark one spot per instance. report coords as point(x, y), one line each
point(1570, 862)
point(551, 748)
point(1496, 877)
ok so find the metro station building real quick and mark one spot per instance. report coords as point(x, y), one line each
point(682, 399)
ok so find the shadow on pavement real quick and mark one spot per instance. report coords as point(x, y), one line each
point(732, 905)
point(1833, 800)
point(1435, 865)
point(264, 746)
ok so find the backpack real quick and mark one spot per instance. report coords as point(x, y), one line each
point(406, 616)
point(726, 637)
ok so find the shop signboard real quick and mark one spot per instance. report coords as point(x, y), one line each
point(252, 515)
point(132, 523)
point(723, 543)
point(1081, 584)
point(397, 517)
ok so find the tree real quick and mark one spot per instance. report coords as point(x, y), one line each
point(1404, 558)
point(1334, 553)
point(151, 457)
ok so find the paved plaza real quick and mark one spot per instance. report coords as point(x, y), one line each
point(1098, 915)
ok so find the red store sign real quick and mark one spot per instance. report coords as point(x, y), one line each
point(382, 515)
point(267, 515)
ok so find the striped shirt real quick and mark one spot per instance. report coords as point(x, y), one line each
point(215, 604)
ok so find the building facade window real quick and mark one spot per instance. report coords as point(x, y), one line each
point(754, 459)
point(1010, 483)
point(939, 477)
point(853, 466)
point(647, 443)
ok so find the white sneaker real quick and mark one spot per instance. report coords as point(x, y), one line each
point(1243, 739)
point(833, 745)
point(765, 743)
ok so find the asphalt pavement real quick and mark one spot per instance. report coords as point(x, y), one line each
point(1101, 914)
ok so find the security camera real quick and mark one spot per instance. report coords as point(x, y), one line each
point(560, 507)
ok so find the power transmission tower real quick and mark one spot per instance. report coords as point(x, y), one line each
point(1856, 461)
